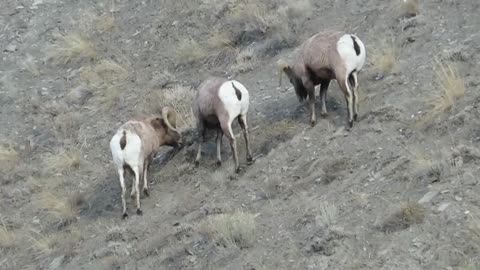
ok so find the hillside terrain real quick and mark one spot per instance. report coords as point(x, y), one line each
point(400, 190)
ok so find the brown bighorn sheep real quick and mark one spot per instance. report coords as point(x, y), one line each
point(218, 102)
point(135, 145)
point(323, 57)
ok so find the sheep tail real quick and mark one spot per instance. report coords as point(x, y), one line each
point(123, 140)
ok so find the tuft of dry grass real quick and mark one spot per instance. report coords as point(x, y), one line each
point(235, 229)
point(43, 245)
point(65, 210)
point(255, 16)
point(9, 157)
point(30, 65)
point(189, 51)
point(180, 98)
point(410, 213)
point(111, 262)
point(327, 216)
point(106, 23)
point(8, 239)
point(452, 86)
point(66, 124)
point(70, 47)
point(410, 8)
point(64, 161)
point(104, 74)
point(385, 55)
point(245, 61)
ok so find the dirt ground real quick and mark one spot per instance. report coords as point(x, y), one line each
point(399, 191)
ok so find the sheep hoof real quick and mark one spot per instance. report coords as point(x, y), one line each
point(125, 215)
point(249, 160)
point(324, 114)
point(197, 163)
point(145, 191)
point(139, 212)
point(350, 125)
point(355, 117)
point(237, 170)
point(313, 123)
point(219, 163)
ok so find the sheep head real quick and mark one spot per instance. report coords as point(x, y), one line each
point(166, 126)
point(283, 67)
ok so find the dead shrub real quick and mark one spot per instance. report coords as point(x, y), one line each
point(70, 47)
point(189, 51)
point(385, 55)
point(64, 161)
point(65, 210)
point(8, 238)
point(410, 213)
point(235, 229)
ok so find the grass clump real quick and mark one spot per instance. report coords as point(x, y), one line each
point(410, 213)
point(8, 239)
point(235, 229)
point(70, 47)
point(63, 161)
point(189, 51)
point(9, 157)
point(386, 55)
point(245, 61)
point(65, 210)
point(452, 87)
point(410, 8)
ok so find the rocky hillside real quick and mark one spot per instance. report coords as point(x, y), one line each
point(399, 191)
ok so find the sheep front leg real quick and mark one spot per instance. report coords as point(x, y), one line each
point(145, 181)
point(121, 174)
point(323, 97)
point(242, 120)
point(219, 147)
point(355, 96)
point(311, 101)
point(200, 140)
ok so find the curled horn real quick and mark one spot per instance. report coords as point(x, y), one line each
point(281, 64)
point(169, 116)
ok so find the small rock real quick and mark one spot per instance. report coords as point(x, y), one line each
point(428, 197)
point(458, 199)
point(174, 23)
point(197, 185)
point(443, 207)
point(11, 48)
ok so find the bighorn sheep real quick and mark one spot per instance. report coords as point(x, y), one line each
point(321, 58)
point(135, 145)
point(218, 102)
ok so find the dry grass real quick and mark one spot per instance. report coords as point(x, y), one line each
point(385, 55)
point(70, 47)
point(8, 239)
point(236, 229)
point(180, 98)
point(66, 124)
point(64, 161)
point(452, 87)
point(189, 51)
point(255, 16)
point(9, 157)
point(245, 61)
point(410, 213)
point(328, 215)
point(410, 7)
point(104, 74)
point(65, 210)
point(106, 23)
point(43, 245)
point(111, 262)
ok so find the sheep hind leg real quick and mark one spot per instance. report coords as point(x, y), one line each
point(145, 181)
point(121, 174)
point(227, 130)
point(354, 84)
point(242, 120)
point(323, 97)
point(137, 171)
point(344, 85)
point(219, 147)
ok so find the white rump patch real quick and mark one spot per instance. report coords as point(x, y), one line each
point(227, 95)
point(346, 50)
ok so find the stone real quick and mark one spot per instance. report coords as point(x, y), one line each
point(428, 197)
point(79, 95)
